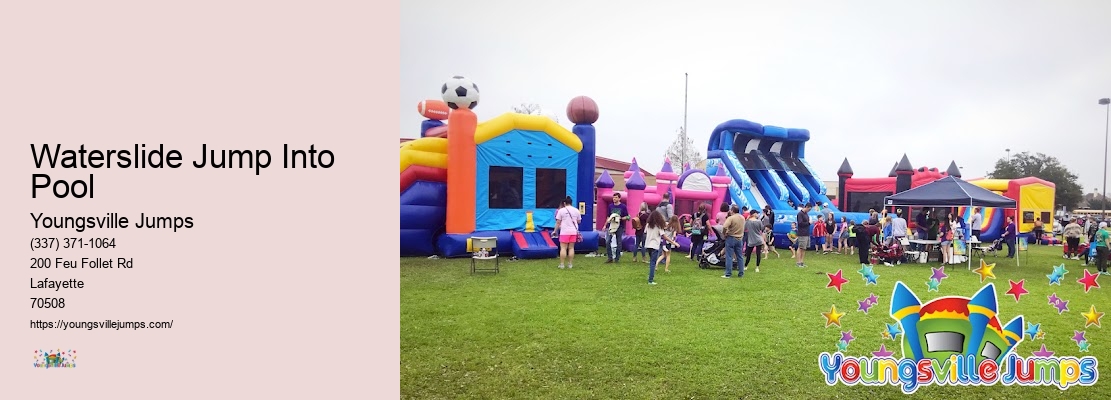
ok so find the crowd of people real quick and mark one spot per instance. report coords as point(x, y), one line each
point(1097, 236)
point(748, 235)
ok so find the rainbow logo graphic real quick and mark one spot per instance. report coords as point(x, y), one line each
point(956, 341)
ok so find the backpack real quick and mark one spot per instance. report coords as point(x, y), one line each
point(696, 225)
point(636, 223)
point(662, 208)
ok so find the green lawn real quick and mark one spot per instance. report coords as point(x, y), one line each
point(600, 331)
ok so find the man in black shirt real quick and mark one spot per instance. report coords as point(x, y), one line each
point(803, 222)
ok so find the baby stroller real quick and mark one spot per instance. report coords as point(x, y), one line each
point(996, 245)
point(715, 254)
point(889, 254)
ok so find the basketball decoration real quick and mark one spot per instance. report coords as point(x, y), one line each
point(433, 109)
point(582, 110)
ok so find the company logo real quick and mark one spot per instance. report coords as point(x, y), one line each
point(55, 359)
point(955, 341)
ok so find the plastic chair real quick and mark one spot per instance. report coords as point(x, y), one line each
point(484, 248)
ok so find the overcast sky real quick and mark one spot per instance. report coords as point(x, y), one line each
point(871, 80)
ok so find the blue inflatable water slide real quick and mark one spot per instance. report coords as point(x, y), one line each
point(768, 167)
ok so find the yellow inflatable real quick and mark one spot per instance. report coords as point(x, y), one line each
point(429, 152)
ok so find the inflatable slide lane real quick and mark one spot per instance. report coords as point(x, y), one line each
point(423, 194)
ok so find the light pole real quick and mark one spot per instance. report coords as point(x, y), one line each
point(1107, 121)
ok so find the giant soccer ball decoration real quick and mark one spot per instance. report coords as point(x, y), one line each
point(460, 92)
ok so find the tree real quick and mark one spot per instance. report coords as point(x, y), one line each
point(682, 152)
point(1096, 201)
point(534, 109)
point(1069, 193)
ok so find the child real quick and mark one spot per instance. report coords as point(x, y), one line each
point(793, 236)
point(852, 237)
point(653, 230)
point(670, 231)
point(639, 223)
point(843, 236)
point(818, 235)
point(888, 230)
point(769, 242)
point(831, 228)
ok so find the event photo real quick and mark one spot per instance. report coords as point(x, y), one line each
point(754, 200)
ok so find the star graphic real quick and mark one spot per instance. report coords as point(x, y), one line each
point(1017, 289)
point(833, 317)
point(1054, 279)
point(1040, 336)
point(885, 335)
point(985, 271)
point(1092, 317)
point(939, 273)
point(1043, 352)
point(1078, 336)
point(1032, 329)
point(865, 270)
point(1084, 345)
point(870, 279)
point(933, 284)
point(1053, 299)
point(842, 346)
point(1062, 306)
point(873, 299)
point(893, 330)
point(835, 281)
point(864, 305)
point(883, 352)
point(1088, 281)
point(1060, 270)
point(847, 337)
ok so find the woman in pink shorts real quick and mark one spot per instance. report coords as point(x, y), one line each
point(567, 221)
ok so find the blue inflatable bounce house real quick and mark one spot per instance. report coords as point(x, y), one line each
point(503, 178)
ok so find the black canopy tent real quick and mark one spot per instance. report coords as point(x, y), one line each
point(949, 192)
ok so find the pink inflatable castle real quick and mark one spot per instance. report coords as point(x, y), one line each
point(688, 191)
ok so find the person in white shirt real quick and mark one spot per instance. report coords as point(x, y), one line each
point(898, 228)
point(975, 221)
point(567, 221)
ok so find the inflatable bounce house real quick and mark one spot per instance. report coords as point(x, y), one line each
point(767, 166)
point(689, 190)
point(502, 178)
point(1035, 197)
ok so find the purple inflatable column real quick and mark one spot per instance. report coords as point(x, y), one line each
point(583, 111)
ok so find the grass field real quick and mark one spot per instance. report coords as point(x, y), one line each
point(600, 331)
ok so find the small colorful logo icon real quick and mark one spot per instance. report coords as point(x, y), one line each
point(55, 358)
